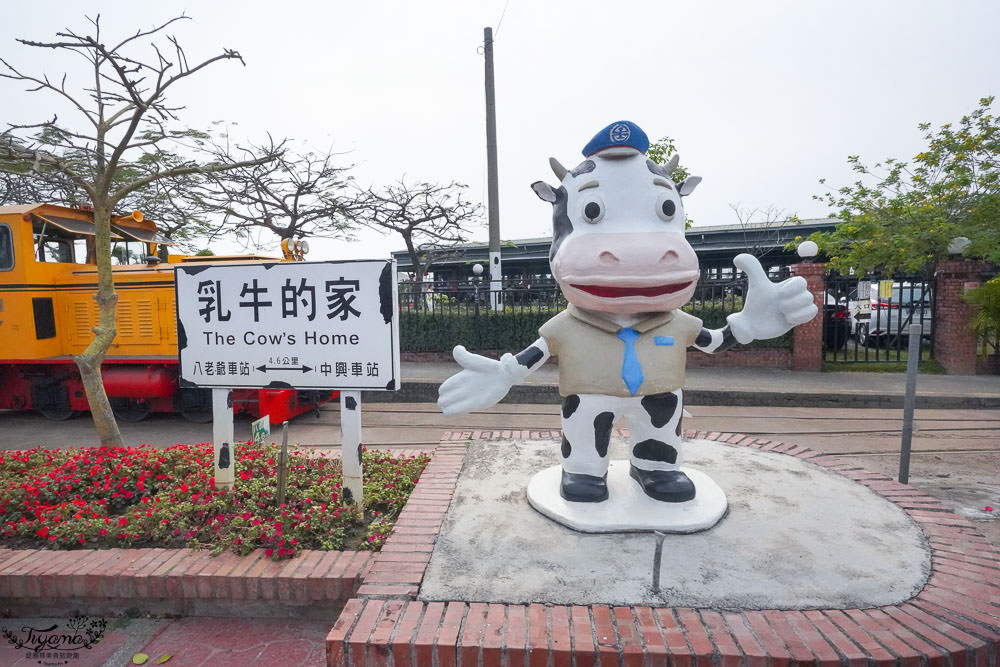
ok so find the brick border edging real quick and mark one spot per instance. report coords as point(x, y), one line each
point(177, 581)
point(953, 620)
point(398, 568)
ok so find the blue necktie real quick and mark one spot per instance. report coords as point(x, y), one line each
point(631, 369)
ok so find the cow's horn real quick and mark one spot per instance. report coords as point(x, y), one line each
point(559, 170)
point(672, 163)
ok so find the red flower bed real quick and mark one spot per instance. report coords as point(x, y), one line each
point(143, 496)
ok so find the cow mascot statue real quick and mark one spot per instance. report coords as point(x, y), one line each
point(621, 260)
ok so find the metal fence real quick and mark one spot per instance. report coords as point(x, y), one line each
point(434, 307)
point(868, 320)
point(712, 296)
point(473, 298)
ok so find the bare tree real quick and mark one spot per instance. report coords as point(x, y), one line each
point(762, 227)
point(123, 118)
point(296, 195)
point(431, 218)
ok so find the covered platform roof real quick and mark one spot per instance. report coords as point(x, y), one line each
point(715, 245)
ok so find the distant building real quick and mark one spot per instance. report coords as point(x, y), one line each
point(526, 261)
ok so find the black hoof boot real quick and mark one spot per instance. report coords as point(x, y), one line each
point(670, 486)
point(580, 488)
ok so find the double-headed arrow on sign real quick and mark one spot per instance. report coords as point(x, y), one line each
point(304, 369)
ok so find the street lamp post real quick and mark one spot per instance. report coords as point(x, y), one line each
point(477, 281)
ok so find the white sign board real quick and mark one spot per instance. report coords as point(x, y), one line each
point(260, 430)
point(864, 304)
point(302, 325)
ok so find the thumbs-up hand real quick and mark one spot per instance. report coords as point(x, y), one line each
point(769, 309)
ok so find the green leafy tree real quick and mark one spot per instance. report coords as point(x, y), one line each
point(902, 215)
point(122, 118)
point(660, 152)
point(173, 204)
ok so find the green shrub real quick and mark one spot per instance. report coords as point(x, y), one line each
point(986, 321)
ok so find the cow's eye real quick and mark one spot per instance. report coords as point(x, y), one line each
point(666, 208)
point(593, 209)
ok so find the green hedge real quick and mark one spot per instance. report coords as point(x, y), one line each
point(514, 331)
point(433, 332)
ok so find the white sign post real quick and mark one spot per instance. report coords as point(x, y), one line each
point(350, 444)
point(222, 438)
point(291, 325)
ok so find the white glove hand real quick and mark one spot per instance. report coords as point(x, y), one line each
point(770, 309)
point(481, 383)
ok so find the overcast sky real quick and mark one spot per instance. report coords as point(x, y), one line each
point(762, 98)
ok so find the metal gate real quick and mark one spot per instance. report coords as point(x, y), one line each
point(868, 320)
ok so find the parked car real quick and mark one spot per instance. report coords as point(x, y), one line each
point(890, 310)
point(836, 325)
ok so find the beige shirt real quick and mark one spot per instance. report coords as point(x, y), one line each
point(591, 354)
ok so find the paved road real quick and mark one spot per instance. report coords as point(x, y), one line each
point(835, 430)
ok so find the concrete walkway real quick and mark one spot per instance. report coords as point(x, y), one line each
point(749, 386)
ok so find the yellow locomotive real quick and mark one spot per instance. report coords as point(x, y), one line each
point(48, 278)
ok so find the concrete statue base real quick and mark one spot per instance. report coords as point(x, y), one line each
point(627, 508)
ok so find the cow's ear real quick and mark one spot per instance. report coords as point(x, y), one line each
point(688, 185)
point(544, 191)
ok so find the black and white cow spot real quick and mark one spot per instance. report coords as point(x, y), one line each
point(602, 432)
point(569, 405)
point(562, 226)
point(660, 408)
point(655, 450)
point(529, 357)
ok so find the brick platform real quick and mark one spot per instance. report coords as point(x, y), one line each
point(954, 620)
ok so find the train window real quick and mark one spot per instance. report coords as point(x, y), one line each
point(6, 249)
point(123, 252)
point(54, 250)
point(83, 251)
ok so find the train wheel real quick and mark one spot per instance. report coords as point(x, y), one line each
point(51, 399)
point(57, 413)
point(130, 409)
point(195, 405)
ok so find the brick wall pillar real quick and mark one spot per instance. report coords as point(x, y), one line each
point(807, 339)
point(954, 342)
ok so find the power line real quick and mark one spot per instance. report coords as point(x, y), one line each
point(502, 14)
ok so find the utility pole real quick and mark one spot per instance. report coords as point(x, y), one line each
point(496, 274)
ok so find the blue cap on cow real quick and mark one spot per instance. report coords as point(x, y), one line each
point(622, 133)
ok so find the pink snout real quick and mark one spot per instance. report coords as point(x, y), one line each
point(630, 272)
point(643, 257)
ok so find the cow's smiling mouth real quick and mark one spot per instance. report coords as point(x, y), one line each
point(608, 291)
